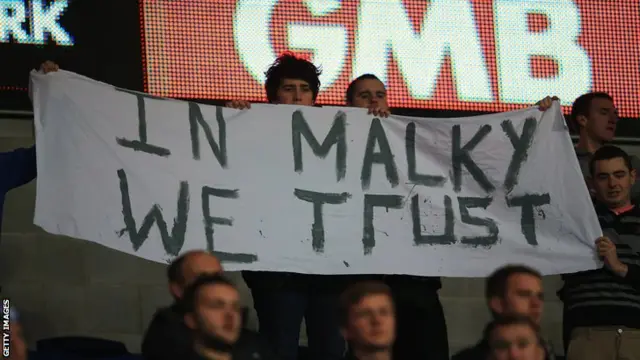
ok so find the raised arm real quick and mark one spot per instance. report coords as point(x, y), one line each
point(18, 167)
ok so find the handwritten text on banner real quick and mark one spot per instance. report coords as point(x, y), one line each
point(313, 190)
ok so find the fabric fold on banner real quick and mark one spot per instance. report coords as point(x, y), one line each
point(327, 190)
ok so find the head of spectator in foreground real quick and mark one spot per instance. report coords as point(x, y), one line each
point(514, 338)
point(187, 267)
point(594, 116)
point(292, 81)
point(367, 91)
point(17, 343)
point(612, 176)
point(367, 317)
point(515, 290)
point(213, 312)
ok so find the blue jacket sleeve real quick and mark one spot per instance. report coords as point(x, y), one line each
point(17, 167)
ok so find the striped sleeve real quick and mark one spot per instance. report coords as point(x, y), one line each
point(633, 276)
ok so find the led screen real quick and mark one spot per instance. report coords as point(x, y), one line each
point(30, 32)
point(96, 38)
point(441, 54)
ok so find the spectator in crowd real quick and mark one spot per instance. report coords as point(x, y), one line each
point(168, 337)
point(290, 81)
point(367, 91)
point(514, 338)
point(18, 167)
point(416, 297)
point(603, 305)
point(421, 325)
point(213, 312)
point(367, 315)
point(282, 300)
point(594, 116)
point(511, 290)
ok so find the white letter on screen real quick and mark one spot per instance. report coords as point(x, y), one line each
point(251, 31)
point(45, 20)
point(515, 45)
point(448, 28)
point(12, 15)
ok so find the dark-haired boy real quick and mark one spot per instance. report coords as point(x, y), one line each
point(282, 300)
point(602, 306)
point(290, 80)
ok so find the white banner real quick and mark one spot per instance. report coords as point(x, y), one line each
point(312, 190)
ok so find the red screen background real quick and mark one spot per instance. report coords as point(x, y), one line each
point(189, 52)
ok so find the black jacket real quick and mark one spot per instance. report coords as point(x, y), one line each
point(480, 351)
point(250, 347)
point(305, 283)
point(169, 338)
